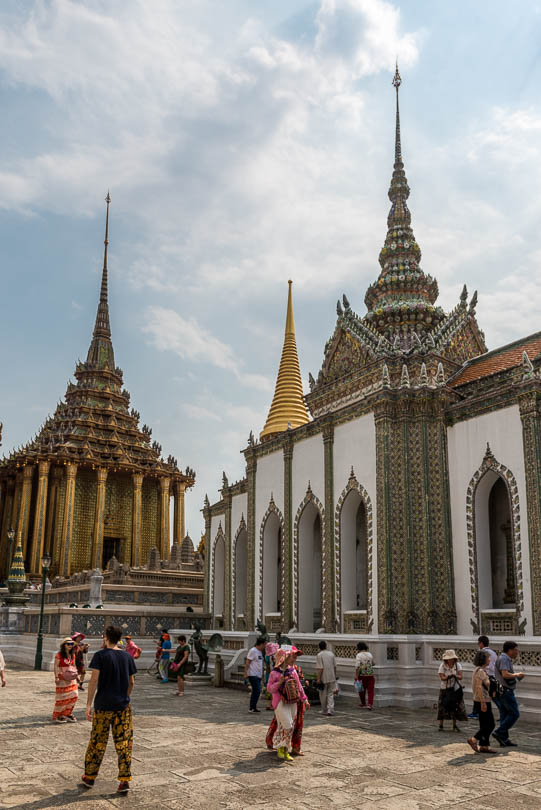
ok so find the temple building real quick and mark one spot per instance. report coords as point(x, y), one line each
point(401, 494)
point(91, 485)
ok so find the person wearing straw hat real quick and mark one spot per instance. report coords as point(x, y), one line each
point(65, 678)
point(286, 690)
point(451, 697)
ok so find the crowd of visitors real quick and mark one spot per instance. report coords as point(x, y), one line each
point(112, 669)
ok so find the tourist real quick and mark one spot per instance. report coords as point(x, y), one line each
point(253, 671)
point(483, 644)
point(65, 678)
point(270, 649)
point(506, 701)
point(364, 675)
point(132, 648)
point(326, 675)
point(2, 669)
point(111, 682)
point(451, 699)
point(164, 658)
point(286, 690)
point(482, 704)
point(80, 651)
point(296, 737)
point(181, 659)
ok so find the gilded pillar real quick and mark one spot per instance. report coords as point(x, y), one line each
point(164, 517)
point(251, 468)
point(179, 524)
point(137, 518)
point(24, 509)
point(7, 522)
point(3, 489)
point(99, 516)
point(52, 512)
point(289, 573)
point(40, 518)
point(67, 523)
point(329, 612)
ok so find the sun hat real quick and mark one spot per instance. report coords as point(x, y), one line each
point(129, 637)
point(296, 650)
point(67, 640)
point(280, 656)
point(448, 655)
point(75, 636)
point(271, 648)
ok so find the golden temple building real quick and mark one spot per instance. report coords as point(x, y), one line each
point(91, 485)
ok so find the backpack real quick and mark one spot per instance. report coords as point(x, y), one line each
point(494, 688)
point(290, 690)
point(137, 652)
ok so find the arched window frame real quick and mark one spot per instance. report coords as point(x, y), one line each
point(491, 463)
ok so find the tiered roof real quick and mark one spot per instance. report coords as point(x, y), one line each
point(94, 426)
point(403, 322)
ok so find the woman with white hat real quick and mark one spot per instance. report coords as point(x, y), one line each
point(65, 678)
point(451, 698)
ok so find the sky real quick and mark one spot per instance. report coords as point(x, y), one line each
point(245, 143)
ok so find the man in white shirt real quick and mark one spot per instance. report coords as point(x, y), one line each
point(326, 674)
point(253, 671)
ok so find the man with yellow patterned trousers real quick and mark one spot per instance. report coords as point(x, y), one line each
point(112, 678)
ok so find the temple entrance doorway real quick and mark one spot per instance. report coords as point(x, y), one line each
point(353, 553)
point(272, 543)
point(241, 554)
point(111, 548)
point(494, 536)
point(309, 539)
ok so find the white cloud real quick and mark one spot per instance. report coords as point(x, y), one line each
point(190, 340)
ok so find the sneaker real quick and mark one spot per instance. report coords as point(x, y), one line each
point(473, 716)
point(510, 744)
point(60, 719)
point(71, 719)
point(81, 689)
point(87, 782)
point(255, 711)
point(123, 787)
point(330, 714)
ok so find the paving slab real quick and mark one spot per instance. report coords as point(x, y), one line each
point(206, 752)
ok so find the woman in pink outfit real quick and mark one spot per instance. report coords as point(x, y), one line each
point(286, 689)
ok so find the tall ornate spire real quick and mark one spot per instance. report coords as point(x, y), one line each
point(100, 353)
point(288, 409)
point(402, 299)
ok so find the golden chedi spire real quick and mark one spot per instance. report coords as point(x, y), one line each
point(288, 409)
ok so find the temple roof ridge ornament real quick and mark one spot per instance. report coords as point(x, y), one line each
point(287, 410)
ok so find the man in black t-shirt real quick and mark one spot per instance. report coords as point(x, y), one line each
point(112, 671)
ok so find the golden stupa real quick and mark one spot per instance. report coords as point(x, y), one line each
point(288, 409)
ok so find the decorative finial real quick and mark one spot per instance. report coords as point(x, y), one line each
point(397, 79)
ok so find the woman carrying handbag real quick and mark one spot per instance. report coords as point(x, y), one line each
point(65, 678)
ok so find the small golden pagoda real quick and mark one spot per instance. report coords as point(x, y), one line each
point(91, 485)
point(287, 409)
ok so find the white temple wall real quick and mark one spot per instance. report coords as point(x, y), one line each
point(238, 510)
point(467, 442)
point(308, 466)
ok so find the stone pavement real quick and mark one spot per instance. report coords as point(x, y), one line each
point(206, 751)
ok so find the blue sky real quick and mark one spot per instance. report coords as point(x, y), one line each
point(245, 143)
